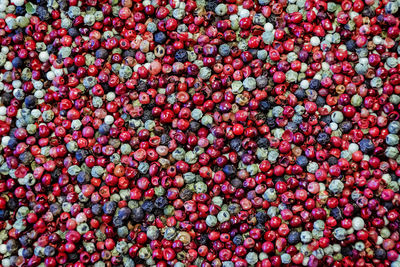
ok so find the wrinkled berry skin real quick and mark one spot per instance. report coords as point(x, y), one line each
point(199, 133)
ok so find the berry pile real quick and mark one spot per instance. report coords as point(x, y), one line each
point(199, 133)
